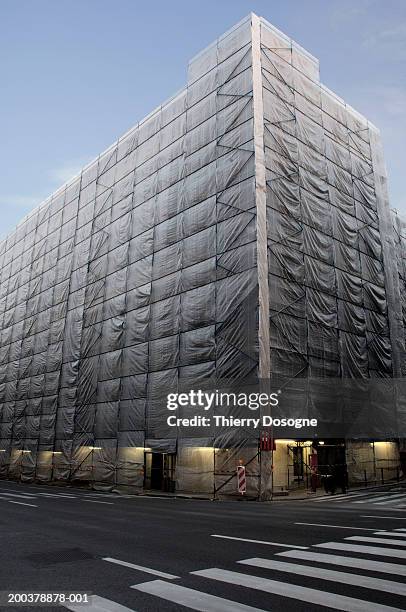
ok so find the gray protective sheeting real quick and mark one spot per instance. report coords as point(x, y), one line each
point(241, 229)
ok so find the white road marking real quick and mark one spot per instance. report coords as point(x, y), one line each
point(369, 550)
point(56, 494)
point(347, 496)
point(400, 528)
point(399, 498)
point(393, 518)
point(11, 501)
point(213, 535)
point(334, 498)
point(366, 582)
point(331, 497)
point(19, 496)
point(285, 589)
point(141, 568)
point(374, 500)
point(377, 540)
point(365, 564)
point(393, 509)
point(390, 533)
point(195, 600)
point(99, 495)
point(62, 495)
point(98, 604)
point(336, 526)
point(94, 501)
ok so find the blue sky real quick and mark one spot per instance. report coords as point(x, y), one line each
point(76, 74)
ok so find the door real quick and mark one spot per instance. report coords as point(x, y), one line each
point(160, 471)
point(157, 470)
point(331, 455)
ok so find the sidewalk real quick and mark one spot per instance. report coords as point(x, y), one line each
point(277, 496)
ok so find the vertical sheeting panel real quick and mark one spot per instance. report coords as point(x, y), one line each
point(399, 338)
point(329, 277)
point(390, 239)
point(285, 229)
point(220, 122)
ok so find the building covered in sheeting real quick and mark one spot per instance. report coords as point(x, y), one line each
point(240, 230)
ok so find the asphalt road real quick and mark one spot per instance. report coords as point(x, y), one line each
point(57, 540)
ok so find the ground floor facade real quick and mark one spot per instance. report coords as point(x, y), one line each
point(212, 472)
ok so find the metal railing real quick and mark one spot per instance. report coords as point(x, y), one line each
point(364, 473)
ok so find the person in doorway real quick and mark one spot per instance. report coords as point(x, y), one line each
point(329, 483)
point(340, 477)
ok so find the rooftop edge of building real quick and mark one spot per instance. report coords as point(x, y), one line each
point(283, 37)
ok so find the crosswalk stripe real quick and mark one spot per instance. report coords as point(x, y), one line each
point(365, 582)
point(393, 518)
point(294, 591)
point(370, 550)
point(98, 604)
point(196, 600)
point(348, 496)
point(400, 529)
point(377, 540)
point(378, 499)
point(400, 498)
point(390, 533)
point(140, 568)
point(365, 564)
point(336, 497)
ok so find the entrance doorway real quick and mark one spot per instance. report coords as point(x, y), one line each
point(332, 466)
point(330, 455)
point(160, 471)
point(298, 463)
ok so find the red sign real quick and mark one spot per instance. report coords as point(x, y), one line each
point(241, 480)
point(266, 442)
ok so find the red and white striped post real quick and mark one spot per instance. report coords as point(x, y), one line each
point(241, 479)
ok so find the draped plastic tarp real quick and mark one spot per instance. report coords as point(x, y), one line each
point(142, 276)
point(331, 301)
point(136, 277)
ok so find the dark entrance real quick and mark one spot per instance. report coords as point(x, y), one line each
point(329, 455)
point(160, 471)
point(332, 466)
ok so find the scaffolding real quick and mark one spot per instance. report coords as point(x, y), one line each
point(235, 233)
